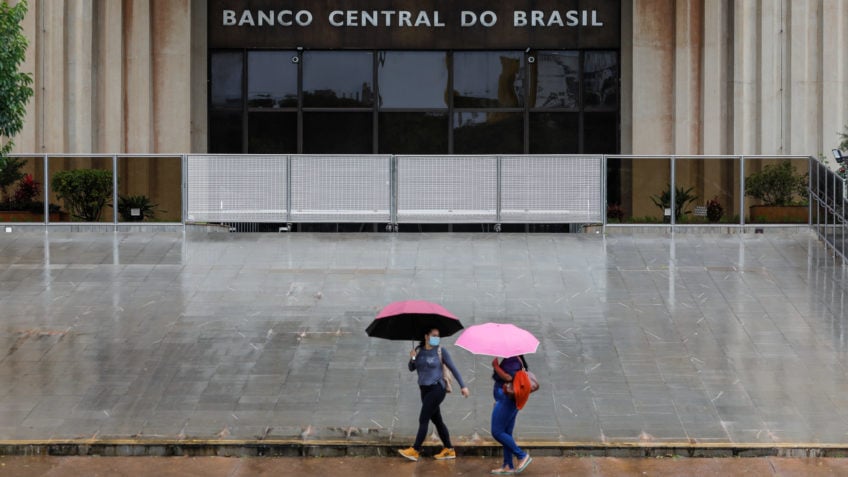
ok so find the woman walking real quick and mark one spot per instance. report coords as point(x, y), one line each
point(505, 413)
point(427, 359)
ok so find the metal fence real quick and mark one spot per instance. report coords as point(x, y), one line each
point(829, 207)
point(392, 190)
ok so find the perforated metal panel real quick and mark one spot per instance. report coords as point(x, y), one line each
point(341, 189)
point(236, 189)
point(455, 189)
point(552, 189)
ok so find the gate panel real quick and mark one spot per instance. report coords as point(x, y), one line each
point(454, 189)
point(341, 189)
point(551, 189)
point(236, 189)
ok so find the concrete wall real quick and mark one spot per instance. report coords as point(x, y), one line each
point(735, 76)
point(114, 76)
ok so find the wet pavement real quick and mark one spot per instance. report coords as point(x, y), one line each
point(377, 467)
point(697, 339)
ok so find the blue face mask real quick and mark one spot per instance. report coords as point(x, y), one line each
point(434, 341)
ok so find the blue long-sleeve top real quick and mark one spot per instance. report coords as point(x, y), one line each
point(430, 369)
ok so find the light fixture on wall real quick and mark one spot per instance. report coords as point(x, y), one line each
point(837, 154)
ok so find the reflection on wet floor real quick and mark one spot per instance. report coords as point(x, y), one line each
point(705, 338)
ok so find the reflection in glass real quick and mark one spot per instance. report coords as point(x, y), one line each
point(225, 132)
point(556, 79)
point(413, 133)
point(554, 133)
point(488, 79)
point(225, 81)
point(271, 79)
point(600, 79)
point(271, 132)
point(600, 133)
point(337, 133)
point(488, 133)
point(22, 197)
point(412, 79)
point(338, 79)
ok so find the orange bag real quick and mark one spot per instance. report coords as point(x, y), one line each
point(521, 386)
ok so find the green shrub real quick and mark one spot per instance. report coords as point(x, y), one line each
point(777, 184)
point(85, 191)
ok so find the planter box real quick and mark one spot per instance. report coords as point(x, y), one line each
point(27, 216)
point(779, 214)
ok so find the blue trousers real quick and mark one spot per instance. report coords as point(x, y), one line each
point(503, 423)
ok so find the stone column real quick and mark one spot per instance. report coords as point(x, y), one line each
point(834, 73)
point(745, 80)
point(52, 73)
point(687, 77)
point(198, 132)
point(78, 117)
point(138, 114)
point(109, 78)
point(804, 87)
point(772, 47)
point(715, 77)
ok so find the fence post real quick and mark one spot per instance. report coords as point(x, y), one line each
point(603, 201)
point(288, 191)
point(115, 192)
point(184, 182)
point(498, 195)
point(810, 191)
point(46, 162)
point(742, 191)
point(673, 193)
point(392, 194)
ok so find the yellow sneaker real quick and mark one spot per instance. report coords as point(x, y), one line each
point(410, 454)
point(445, 454)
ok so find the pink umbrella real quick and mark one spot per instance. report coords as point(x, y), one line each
point(496, 339)
point(409, 320)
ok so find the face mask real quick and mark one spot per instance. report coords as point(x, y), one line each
point(434, 341)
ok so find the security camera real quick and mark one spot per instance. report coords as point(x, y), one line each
point(837, 154)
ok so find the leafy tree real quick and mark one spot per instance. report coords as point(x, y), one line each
point(777, 184)
point(843, 146)
point(15, 88)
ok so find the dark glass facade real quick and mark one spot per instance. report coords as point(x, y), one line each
point(414, 102)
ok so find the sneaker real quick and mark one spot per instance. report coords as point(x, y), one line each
point(502, 471)
point(445, 454)
point(410, 454)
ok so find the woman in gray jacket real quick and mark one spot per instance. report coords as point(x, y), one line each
point(427, 359)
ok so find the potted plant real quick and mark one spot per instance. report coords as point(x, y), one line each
point(85, 192)
point(136, 208)
point(714, 210)
point(22, 206)
point(682, 198)
point(782, 192)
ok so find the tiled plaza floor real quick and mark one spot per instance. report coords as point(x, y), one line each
point(698, 338)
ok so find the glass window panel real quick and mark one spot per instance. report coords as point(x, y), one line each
point(556, 77)
point(554, 133)
point(149, 189)
point(271, 133)
point(225, 83)
point(338, 79)
point(97, 206)
point(600, 133)
point(337, 133)
point(488, 79)
point(225, 132)
point(412, 79)
point(22, 200)
point(413, 133)
point(488, 133)
point(271, 79)
point(600, 79)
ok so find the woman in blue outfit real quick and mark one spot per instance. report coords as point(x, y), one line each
point(504, 414)
point(427, 360)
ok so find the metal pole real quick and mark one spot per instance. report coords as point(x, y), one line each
point(810, 192)
point(392, 192)
point(742, 191)
point(115, 192)
point(46, 191)
point(672, 185)
point(499, 169)
point(288, 183)
point(603, 201)
point(184, 182)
